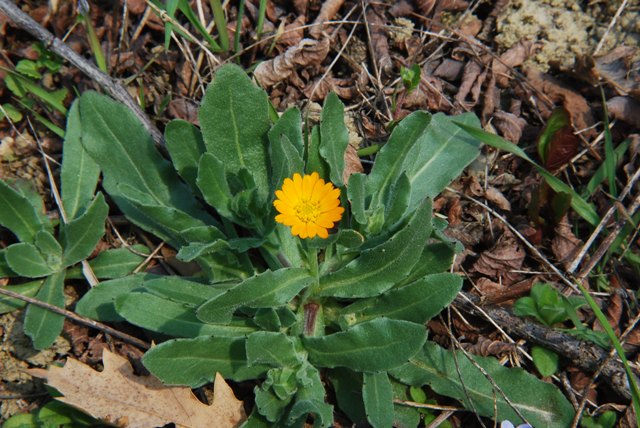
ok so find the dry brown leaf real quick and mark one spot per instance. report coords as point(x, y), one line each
point(486, 347)
point(379, 41)
point(512, 57)
point(565, 244)
point(576, 104)
point(509, 125)
point(425, 6)
point(502, 259)
point(613, 313)
point(305, 53)
point(119, 397)
point(494, 195)
point(449, 69)
point(626, 109)
point(328, 11)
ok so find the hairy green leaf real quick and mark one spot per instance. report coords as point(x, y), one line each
point(185, 146)
point(29, 289)
point(541, 403)
point(80, 236)
point(377, 394)
point(174, 319)
point(266, 289)
point(334, 137)
point(380, 268)
point(79, 172)
point(19, 215)
point(42, 325)
point(194, 362)
point(234, 118)
point(371, 346)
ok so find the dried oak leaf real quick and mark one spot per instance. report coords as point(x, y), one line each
point(505, 257)
point(119, 397)
point(576, 104)
point(305, 53)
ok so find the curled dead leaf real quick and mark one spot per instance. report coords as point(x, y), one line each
point(494, 195)
point(305, 53)
point(509, 125)
point(505, 257)
point(379, 41)
point(328, 11)
point(117, 396)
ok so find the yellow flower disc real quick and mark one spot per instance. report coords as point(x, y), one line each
point(308, 205)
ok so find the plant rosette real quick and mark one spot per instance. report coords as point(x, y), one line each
point(305, 278)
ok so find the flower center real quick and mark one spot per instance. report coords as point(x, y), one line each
point(307, 211)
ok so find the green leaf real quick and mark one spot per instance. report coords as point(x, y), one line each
point(285, 160)
point(435, 258)
point(42, 325)
point(79, 172)
point(356, 195)
point(49, 248)
point(113, 263)
point(264, 290)
point(380, 268)
point(371, 346)
point(29, 289)
point(26, 260)
point(234, 118)
point(398, 202)
point(118, 142)
point(12, 112)
point(212, 182)
point(390, 161)
point(194, 362)
point(168, 317)
point(182, 290)
point(185, 146)
point(99, 302)
point(28, 68)
point(541, 403)
point(546, 361)
point(334, 137)
point(582, 207)
point(416, 302)
point(19, 215)
point(314, 162)
point(377, 394)
point(80, 236)
point(289, 125)
point(439, 156)
point(347, 385)
point(271, 348)
point(269, 404)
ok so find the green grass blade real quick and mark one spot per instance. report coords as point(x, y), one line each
point(633, 385)
point(609, 156)
point(582, 207)
point(221, 23)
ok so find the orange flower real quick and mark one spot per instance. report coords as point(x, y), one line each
point(308, 205)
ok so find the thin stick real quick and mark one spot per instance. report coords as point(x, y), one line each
point(77, 318)
point(583, 251)
point(610, 26)
point(52, 43)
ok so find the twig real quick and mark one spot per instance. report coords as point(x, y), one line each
point(77, 318)
point(605, 219)
point(610, 26)
point(115, 89)
point(584, 355)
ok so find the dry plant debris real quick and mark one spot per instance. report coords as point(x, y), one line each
point(119, 397)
